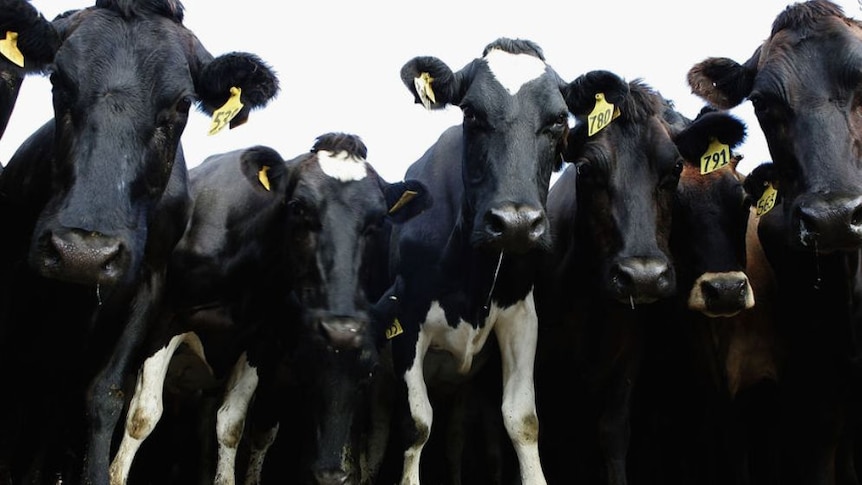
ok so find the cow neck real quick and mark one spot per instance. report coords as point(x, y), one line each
point(474, 271)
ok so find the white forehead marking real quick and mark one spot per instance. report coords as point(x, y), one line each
point(514, 70)
point(342, 165)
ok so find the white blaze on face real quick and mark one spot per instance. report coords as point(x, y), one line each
point(514, 70)
point(342, 165)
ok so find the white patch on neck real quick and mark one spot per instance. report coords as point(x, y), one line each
point(514, 70)
point(342, 165)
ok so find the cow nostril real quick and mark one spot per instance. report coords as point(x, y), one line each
point(856, 216)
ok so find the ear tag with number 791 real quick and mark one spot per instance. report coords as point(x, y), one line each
point(717, 155)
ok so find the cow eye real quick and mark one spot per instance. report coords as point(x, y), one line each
point(184, 104)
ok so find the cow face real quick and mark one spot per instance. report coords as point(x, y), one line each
point(336, 214)
point(627, 174)
point(710, 218)
point(124, 80)
point(515, 120)
point(803, 83)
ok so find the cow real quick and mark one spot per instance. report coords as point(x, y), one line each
point(94, 202)
point(800, 83)
point(292, 254)
point(610, 216)
point(464, 269)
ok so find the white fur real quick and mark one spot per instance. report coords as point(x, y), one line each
point(514, 70)
point(342, 166)
point(230, 419)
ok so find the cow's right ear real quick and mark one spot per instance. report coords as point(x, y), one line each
point(723, 82)
point(406, 199)
point(431, 81)
point(264, 168)
point(759, 179)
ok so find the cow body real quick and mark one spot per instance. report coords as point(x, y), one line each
point(465, 268)
point(611, 266)
point(289, 255)
point(96, 200)
point(802, 84)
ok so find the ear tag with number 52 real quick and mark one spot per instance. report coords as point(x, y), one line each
point(601, 115)
point(717, 155)
point(767, 200)
point(223, 115)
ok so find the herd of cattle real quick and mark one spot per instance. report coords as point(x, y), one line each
point(653, 317)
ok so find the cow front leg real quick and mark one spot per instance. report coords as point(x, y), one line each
point(147, 405)
point(230, 419)
point(517, 331)
point(421, 413)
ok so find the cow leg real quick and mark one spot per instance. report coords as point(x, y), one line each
point(230, 419)
point(105, 397)
point(517, 332)
point(421, 412)
point(146, 407)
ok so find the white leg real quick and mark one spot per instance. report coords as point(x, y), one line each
point(420, 410)
point(146, 406)
point(517, 334)
point(230, 419)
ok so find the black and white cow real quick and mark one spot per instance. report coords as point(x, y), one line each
point(292, 254)
point(611, 218)
point(465, 268)
point(93, 204)
point(803, 83)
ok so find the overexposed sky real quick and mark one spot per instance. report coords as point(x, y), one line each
point(339, 62)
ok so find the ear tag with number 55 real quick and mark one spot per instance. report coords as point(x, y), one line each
point(767, 200)
point(717, 155)
point(601, 115)
point(9, 49)
point(223, 115)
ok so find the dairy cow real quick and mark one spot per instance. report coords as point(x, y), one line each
point(464, 270)
point(802, 83)
point(291, 254)
point(93, 203)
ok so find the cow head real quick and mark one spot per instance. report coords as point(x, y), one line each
point(515, 121)
point(710, 218)
point(335, 213)
point(125, 76)
point(627, 173)
point(803, 84)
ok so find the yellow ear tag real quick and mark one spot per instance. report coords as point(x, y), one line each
point(223, 115)
point(601, 115)
point(767, 200)
point(9, 49)
point(262, 177)
point(717, 155)
point(406, 197)
point(423, 89)
point(394, 330)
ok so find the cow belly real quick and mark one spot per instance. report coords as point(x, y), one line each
point(453, 349)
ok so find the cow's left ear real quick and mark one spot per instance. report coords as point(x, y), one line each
point(721, 81)
point(264, 168)
point(580, 94)
point(406, 199)
point(257, 82)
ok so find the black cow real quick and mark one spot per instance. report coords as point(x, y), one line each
point(465, 268)
point(802, 82)
point(610, 215)
point(292, 254)
point(93, 204)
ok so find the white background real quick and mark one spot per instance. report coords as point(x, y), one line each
point(339, 62)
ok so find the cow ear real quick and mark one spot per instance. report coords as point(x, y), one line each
point(759, 178)
point(580, 94)
point(264, 168)
point(431, 82)
point(693, 141)
point(722, 82)
point(257, 82)
point(406, 199)
point(26, 37)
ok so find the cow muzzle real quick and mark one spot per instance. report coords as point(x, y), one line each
point(829, 224)
point(721, 294)
point(79, 256)
point(515, 229)
point(344, 333)
point(641, 280)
